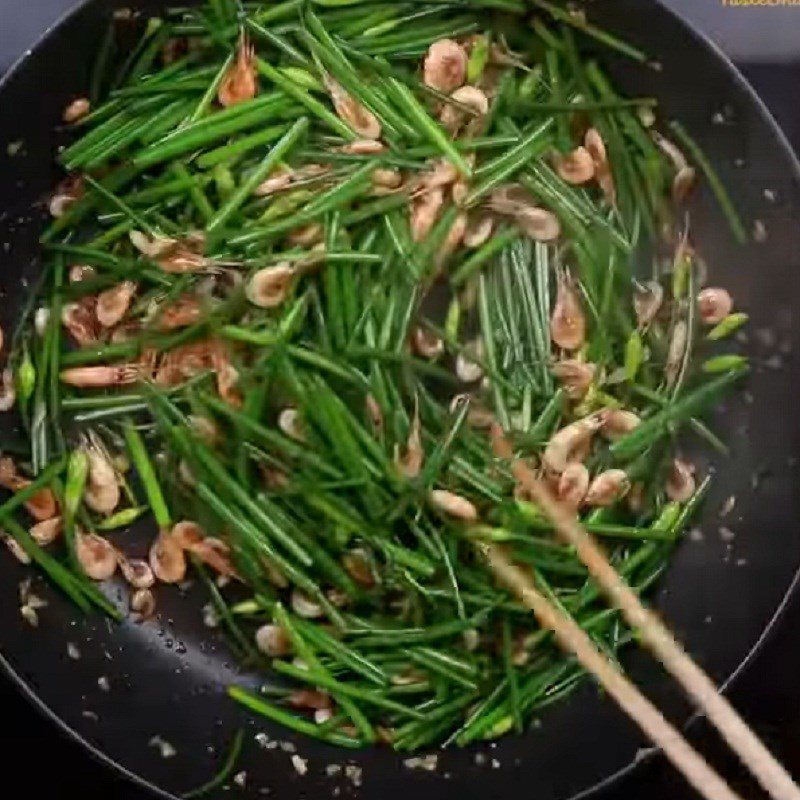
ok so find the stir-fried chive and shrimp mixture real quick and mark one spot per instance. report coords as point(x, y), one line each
point(305, 257)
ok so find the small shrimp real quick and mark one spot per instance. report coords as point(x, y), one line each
point(454, 116)
point(479, 229)
point(442, 174)
point(569, 441)
point(575, 376)
point(80, 320)
point(76, 110)
point(410, 463)
point(187, 534)
point(386, 181)
point(46, 531)
point(143, 604)
point(176, 256)
point(96, 555)
point(102, 377)
point(363, 147)
point(576, 167)
point(304, 606)
point(204, 428)
point(358, 566)
point(453, 240)
point(714, 304)
point(593, 142)
point(113, 304)
point(185, 362)
point(538, 223)
point(374, 412)
point(67, 193)
point(269, 287)
point(453, 505)
point(573, 484)
point(568, 322)
point(676, 351)
point(81, 272)
point(681, 482)
point(290, 422)
point(42, 505)
point(279, 181)
point(424, 213)
point(8, 391)
point(445, 67)
point(240, 82)
point(607, 488)
point(126, 332)
point(185, 311)
point(227, 376)
point(136, 572)
point(167, 559)
point(273, 641)
point(214, 552)
point(307, 235)
point(618, 422)
point(426, 344)
point(467, 370)
point(685, 175)
point(102, 493)
point(310, 699)
point(647, 301)
point(359, 118)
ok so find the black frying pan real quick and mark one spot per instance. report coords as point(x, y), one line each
point(165, 679)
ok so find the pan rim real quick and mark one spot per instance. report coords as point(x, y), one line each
point(94, 751)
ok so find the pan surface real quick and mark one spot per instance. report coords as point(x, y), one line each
point(149, 699)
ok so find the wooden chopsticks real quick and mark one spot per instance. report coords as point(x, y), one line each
point(754, 755)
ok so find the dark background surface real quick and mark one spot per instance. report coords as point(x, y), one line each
point(765, 43)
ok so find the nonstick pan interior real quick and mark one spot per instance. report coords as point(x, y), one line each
point(138, 692)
